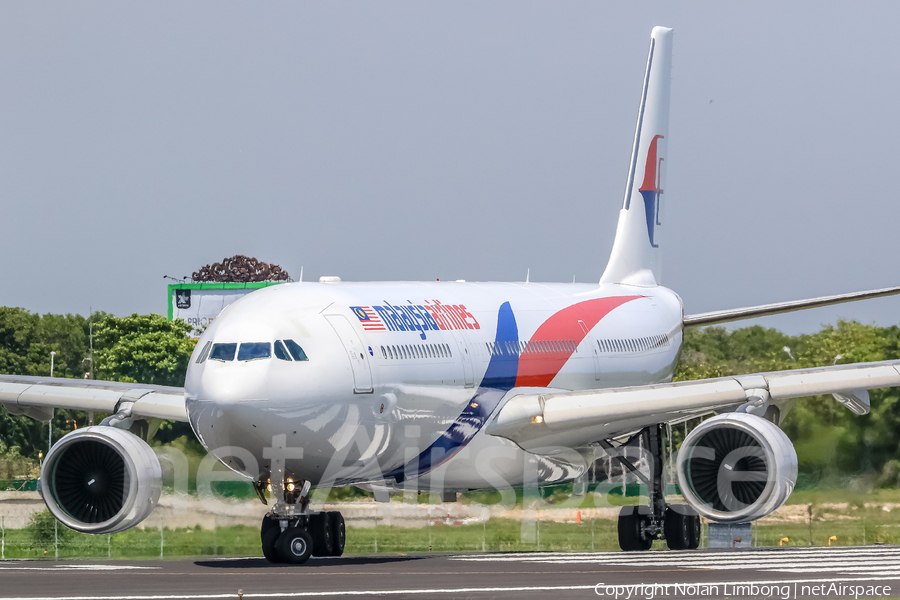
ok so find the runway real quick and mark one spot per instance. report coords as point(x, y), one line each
point(843, 572)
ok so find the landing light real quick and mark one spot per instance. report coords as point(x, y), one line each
point(537, 420)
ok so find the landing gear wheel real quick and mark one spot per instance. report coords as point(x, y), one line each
point(677, 526)
point(631, 536)
point(338, 533)
point(321, 531)
point(294, 546)
point(267, 523)
point(694, 530)
point(269, 540)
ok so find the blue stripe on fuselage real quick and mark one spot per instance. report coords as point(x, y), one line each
point(499, 378)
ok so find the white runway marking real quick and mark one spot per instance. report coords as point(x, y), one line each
point(71, 567)
point(840, 560)
point(425, 592)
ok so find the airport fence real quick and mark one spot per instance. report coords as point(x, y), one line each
point(384, 529)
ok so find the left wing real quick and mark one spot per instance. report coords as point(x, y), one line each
point(37, 396)
point(539, 422)
point(737, 314)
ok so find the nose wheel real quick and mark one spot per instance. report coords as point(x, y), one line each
point(318, 534)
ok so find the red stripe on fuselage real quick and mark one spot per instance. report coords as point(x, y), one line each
point(537, 369)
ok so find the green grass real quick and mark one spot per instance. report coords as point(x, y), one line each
point(496, 535)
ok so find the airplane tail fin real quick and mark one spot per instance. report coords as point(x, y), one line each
point(635, 256)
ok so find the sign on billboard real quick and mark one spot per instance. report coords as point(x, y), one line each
point(200, 303)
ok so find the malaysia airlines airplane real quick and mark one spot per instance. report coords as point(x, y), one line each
point(455, 386)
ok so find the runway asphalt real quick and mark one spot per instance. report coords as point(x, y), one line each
point(842, 572)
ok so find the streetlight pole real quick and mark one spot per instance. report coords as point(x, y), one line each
point(52, 355)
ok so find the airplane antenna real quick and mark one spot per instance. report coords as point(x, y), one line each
point(528, 275)
point(573, 279)
point(301, 274)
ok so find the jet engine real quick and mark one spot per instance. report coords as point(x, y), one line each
point(737, 467)
point(101, 480)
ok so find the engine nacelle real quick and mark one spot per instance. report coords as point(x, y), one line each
point(101, 480)
point(737, 467)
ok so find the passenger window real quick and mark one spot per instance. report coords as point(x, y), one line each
point(449, 352)
point(295, 350)
point(223, 352)
point(390, 353)
point(204, 352)
point(281, 352)
point(254, 350)
point(383, 352)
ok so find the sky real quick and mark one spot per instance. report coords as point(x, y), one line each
point(453, 140)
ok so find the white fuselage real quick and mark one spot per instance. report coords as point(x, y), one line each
point(402, 377)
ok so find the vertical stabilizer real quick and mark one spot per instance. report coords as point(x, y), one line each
point(635, 256)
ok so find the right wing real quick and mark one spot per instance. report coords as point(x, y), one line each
point(541, 422)
point(37, 396)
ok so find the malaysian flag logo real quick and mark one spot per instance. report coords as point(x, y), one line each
point(368, 318)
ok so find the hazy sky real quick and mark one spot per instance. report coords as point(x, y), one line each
point(452, 140)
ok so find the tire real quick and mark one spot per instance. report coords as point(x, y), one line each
point(269, 540)
point(677, 526)
point(695, 531)
point(294, 546)
point(320, 530)
point(630, 538)
point(338, 533)
point(267, 523)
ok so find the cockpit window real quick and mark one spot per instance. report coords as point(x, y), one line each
point(295, 350)
point(281, 352)
point(204, 353)
point(254, 350)
point(223, 352)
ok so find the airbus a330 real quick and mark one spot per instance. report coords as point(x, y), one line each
point(455, 386)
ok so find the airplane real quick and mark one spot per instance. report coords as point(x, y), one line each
point(456, 386)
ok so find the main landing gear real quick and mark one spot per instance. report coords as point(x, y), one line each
point(291, 533)
point(678, 524)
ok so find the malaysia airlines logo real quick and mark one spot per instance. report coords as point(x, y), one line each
point(420, 318)
point(368, 318)
point(650, 189)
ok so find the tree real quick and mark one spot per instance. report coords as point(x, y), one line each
point(146, 349)
point(142, 349)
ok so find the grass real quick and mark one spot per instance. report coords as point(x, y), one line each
point(866, 526)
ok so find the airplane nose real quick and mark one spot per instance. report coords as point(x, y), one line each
point(227, 410)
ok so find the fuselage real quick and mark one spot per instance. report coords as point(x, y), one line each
point(400, 378)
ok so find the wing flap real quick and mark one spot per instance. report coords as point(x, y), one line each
point(21, 393)
point(791, 384)
point(540, 422)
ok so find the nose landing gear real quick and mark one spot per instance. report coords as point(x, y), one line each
point(291, 533)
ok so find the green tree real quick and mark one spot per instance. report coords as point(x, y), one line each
point(142, 349)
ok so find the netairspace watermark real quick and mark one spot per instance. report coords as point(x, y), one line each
point(785, 591)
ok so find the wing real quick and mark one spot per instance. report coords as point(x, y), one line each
point(749, 312)
point(572, 419)
point(36, 396)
